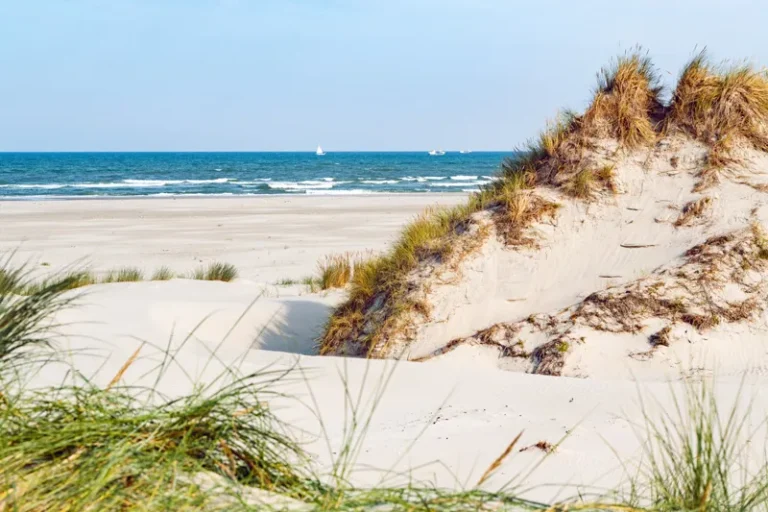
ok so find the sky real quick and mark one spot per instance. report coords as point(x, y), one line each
point(375, 75)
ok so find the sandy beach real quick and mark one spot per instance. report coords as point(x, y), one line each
point(444, 306)
point(441, 421)
point(267, 238)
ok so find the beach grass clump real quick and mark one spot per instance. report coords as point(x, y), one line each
point(72, 279)
point(627, 103)
point(720, 106)
point(383, 279)
point(71, 447)
point(697, 456)
point(123, 275)
point(25, 318)
point(335, 271)
point(162, 274)
point(518, 206)
point(216, 271)
point(587, 182)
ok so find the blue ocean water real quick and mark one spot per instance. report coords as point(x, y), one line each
point(68, 175)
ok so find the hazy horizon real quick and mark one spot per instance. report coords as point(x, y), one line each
point(238, 76)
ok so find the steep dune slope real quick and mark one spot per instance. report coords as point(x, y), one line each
point(619, 235)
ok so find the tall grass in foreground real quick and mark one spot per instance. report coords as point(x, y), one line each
point(77, 446)
point(698, 456)
point(25, 320)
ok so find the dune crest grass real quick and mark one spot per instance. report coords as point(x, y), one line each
point(627, 104)
point(720, 106)
point(627, 97)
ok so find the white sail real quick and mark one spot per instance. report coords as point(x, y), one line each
point(319, 151)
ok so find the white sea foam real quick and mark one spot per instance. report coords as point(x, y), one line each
point(422, 179)
point(161, 183)
point(129, 183)
point(461, 184)
point(192, 194)
point(463, 178)
point(255, 181)
point(379, 182)
point(293, 185)
point(340, 192)
point(48, 186)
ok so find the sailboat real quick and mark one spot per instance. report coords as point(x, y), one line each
point(436, 152)
point(465, 151)
point(319, 151)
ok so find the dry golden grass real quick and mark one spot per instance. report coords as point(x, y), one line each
point(720, 106)
point(586, 183)
point(626, 106)
point(383, 280)
point(693, 210)
point(335, 271)
point(519, 207)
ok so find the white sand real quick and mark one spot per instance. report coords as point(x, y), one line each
point(268, 238)
point(463, 409)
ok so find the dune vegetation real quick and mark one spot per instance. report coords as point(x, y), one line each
point(77, 446)
point(73, 279)
point(722, 107)
point(215, 272)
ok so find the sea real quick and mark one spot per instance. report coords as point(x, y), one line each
point(93, 175)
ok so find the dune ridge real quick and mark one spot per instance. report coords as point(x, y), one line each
point(620, 232)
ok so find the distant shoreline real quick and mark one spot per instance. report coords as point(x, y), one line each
point(205, 197)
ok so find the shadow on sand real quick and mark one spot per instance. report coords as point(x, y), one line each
point(294, 328)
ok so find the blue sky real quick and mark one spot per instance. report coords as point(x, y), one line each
point(262, 75)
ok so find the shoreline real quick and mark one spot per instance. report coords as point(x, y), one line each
point(47, 199)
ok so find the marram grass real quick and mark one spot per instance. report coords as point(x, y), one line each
point(215, 272)
point(77, 446)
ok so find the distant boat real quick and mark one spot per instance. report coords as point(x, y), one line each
point(436, 152)
point(319, 151)
point(465, 151)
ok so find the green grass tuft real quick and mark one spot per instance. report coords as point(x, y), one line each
point(162, 274)
point(697, 456)
point(123, 275)
point(26, 309)
point(215, 272)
